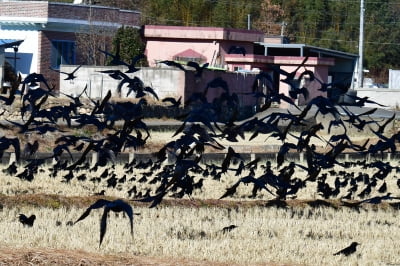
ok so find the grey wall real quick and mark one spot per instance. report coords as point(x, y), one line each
point(388, 97)
point(164, 81)
point(394, 79)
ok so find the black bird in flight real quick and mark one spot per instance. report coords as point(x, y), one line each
point(173, 101)
point(115, 206)
point(132, 66)
point(31, 148)
point(381, 128)
point(70, 76)
point(116, 59)
point(379, 199)
point(229, 156)
point(199, 69)
point(361, 101)
point(28, 221)
point(33, 79)
point(173, 64)
point(5, 143)
point(114, 73)
point(348, 250)
point(290, 76)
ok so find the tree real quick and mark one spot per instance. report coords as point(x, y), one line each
point(270, 18)
point(89, 40)
point(382, 35)
point(325, 23)
point(130, 44)
point(217, 13)
point(233, 13)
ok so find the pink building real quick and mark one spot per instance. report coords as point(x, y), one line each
point(203, 44)
point(247, 51)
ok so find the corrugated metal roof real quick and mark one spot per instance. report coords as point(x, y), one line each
point(7, 43)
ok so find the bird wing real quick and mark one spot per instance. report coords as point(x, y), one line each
point(156, 199)
point(103, 224)
point(98, 204)
point(151, 91)
point(56, 70)
point(231, 190)
point(194, 65)
point(128, 210)
point(170, 99)
point(76, 69)
point(22, 218)
point(217, 82)
point(103, 103)
point(174, 64)
point(136, 59)
point(83, 156)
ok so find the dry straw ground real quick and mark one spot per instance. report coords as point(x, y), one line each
point(189, 232)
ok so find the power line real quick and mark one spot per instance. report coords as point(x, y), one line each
point(345, 41)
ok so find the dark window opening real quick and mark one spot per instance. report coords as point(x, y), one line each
point(187, 59)
point(62, 53)
point(274, 51)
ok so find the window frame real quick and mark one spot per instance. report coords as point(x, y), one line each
point(67, 56)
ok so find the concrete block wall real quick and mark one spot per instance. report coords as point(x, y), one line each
point(167, 82)
point(388, 97)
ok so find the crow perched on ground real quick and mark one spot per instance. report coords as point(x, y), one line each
point(28, 221)
point(229, 228)
point(349, 250)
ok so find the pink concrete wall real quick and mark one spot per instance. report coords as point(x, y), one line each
point(320, 72)
point(157, 50)
point(203, 33)
point(238, 83)
point(163, 42)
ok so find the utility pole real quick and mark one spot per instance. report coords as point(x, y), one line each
point(283, 26)
point(248, 22)
point(361, 47)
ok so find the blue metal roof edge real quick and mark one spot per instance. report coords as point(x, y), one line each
point(7, 43)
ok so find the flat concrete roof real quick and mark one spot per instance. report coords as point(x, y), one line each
point(303, 48)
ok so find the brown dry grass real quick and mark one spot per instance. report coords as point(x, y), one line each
point(40, 256)
point(15, 255)
point(11, 255)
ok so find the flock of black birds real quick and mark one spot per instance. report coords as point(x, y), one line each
point(201, 127)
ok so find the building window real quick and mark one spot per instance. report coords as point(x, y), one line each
point(187, 59)
point(62, 53)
